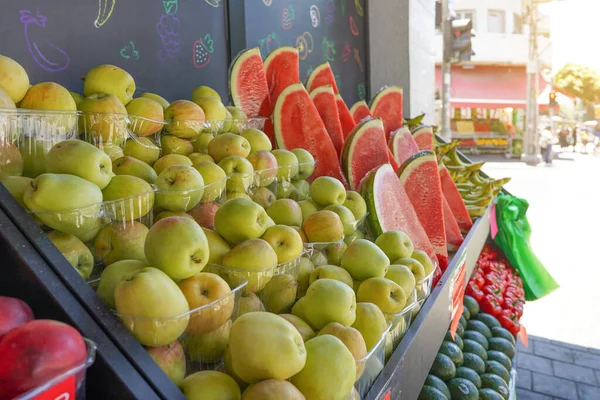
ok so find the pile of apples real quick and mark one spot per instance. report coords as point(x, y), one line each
point(34, 351)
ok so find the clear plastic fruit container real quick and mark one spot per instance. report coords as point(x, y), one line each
point(78, 371)
point(291, 181)
point(358, 228)
point(317, 251)
point(53, 126)
point(401, 321)
point(186, 200)
point(370, 366)
point(238, 125)
point(424, 286)
point(184, 128)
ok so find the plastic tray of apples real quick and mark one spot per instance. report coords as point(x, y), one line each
point(369, 367)
point(401, 321)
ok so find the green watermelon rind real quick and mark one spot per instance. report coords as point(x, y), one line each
point(349, 146)
point(235, 66)
point(414, 161)
point(367, 191)
point(381, 94)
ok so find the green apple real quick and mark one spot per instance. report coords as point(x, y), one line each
point(109, 79)
point(184, 119)
point(237, 195)
point(331, 272)
point(323, 226)
point(217, 246)
point(49, 194)
point(76, 97)
point(215, 180)
point(239, 121)
point(285, 212)
point(346, 217)
point(355, 203)
point(364, 260)
point(308, 207)
point(34, 153)
point(53, 97)
point(305, 330)
point(302, 191)
point(177, 246)
point(263, 196)
point(305, 268)
point(6, 102)
point(228, 144)
point(171, 360)
point(11, 161)
point(258, 140)
point(130, 197)
point(265, 346)
point(118, 241)
point(335, 252)
point(265, 165)
point(249, 302)
point(326, 190)
point(82, 159)
point(112, 275)
point(16, 186)
point(298, 309)
point(240, 173)
point(279, 294)
point(132, 166)
point(210, 385)
point(14, 80)
point(159, 99)
point(170, 159)
point(214, 110)
point(204, 91)
point(370, 322)
point(75, 251)
point(273, 389)
point(286, 242)
point(329, 300)
point(415, 266)
point(424, 259)
point(403, 277)
point(146, 115)
point(395, 244)
point(104, 119)
point(240, 219)
point(255, 259)
point(353, 340)
point(175, 145)
point(151, 306)
point(228, 123)
point(197, 158)
point(284, 189)
point(387, 295)
point(306, 164)
point(319, 258)
point(143, 149)
point(204, 214)
point(327, 360)
point(113, 151)
point(209, 296)
point(180, 188)
point(201, 141)
point(287, 162)
point(208, 347)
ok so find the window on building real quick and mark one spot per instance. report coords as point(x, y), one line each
point(517, 23)
point(466, 14)
point(496, 21)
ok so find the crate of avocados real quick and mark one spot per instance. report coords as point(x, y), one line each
point(37, 273)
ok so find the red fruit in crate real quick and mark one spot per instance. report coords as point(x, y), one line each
point(204, 214)
point(36, 352)
point(13, 312)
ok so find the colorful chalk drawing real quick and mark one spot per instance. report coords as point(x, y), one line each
point(268, 2)
point(328, 48)
point(315, 16)
point(343, 4)
point(269, 43)
point(359, 8)
point(202, 50)
point(168, 27)
point(362, 91)
point(338, 80)
point(358, 60)
point(171, 6)
point(346, 52)
point(288, 16)
point(213, 3)
point(305, 45)
point(308, 72)
point(27, 18)
point(353, 27)
point(105, 10)
point(330, 17)
point(129, 52)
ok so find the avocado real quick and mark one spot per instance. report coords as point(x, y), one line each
point(494, 382)
point(443, 367)
point(437, 383)
point(494, 355)
point(469, 374)
point(474, 362)
point(503, 345)
point(499, 331)
point(453, 351)
point(463, 389)
point(494, 367)
point(478, 337)
point(488, 319)
point(431, 393)
point(471, 346)
point(472, 305)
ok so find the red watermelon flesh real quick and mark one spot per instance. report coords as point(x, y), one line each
point(390, 208)
point(423, 136)
point(453, 235)
point(455, 201)
point(392, 161)
point(403, 145)
point(421, 179)
point(281, 70)
point(346, 118)
point(364, 150)
point(297, 124)
point(387, 105)
point(324, 100)
point(321, 76)
point(360, 110)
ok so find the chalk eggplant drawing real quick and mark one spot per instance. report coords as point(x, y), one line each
point(59, 60)
point(202, 50)
point(105, 10)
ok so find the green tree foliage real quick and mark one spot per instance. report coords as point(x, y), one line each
point(580, 81)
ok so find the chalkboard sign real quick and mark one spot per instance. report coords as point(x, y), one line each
point(168, 46)
point(323, 30)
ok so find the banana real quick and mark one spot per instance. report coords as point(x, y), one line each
point(475, 166)
point(105, 10)
point(481, 202)
point(476, 211)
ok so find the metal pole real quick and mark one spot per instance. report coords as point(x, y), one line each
point(531, 146)
point(446, 32)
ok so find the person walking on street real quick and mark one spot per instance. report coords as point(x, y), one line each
point(546, 140)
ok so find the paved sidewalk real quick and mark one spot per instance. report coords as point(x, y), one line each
point(548, 369)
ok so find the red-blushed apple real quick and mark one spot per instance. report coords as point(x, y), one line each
point(36, 352)
point(353, 340)
point(104, 120)
point(151, 115)
point(263, 196)
point(204, 214)
point(228, 144)
point(301, 233)
point(273, 389)
point(13, 312)
point(184, 119)
point(121, 241)
point(165, 214)
point(168, 160)
point(171, 359)
point(323, 226)
point(265, 166)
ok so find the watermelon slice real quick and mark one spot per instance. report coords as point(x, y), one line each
point(387, 105)
point(455, 201)
point(453, 237)
point(324, 99)
point(297, 124)
point(403, 145)
point(281, 70)
point(360, 110)
point(421, 179)
point(423, 135)
point(364, 150)
point(390, 209)
point(249, 89)
point(321, 76)
point(346, 118)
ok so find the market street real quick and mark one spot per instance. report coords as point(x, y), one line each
point(564, 217)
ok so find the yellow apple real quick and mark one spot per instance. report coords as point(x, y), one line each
point(217, 246)
point(255, 259)
point(286, 242)
point(249, 302)
point(402, 276)
point(75, 251)
point(118, 241)
point(355, 203)
point(206, 385)
point(328, 300)
point(305, 268)
point(130, 198)
point(287, 162)
point(146, 116)
point(395, 244)
point(335, 252)
point(207, 347)
point(240, 219)
point(184, 119)
point(416, 268)
point(239, 119)
point(263, 196)
point(285, 212)
point(201, 142)
point(331, 272)
point(112, 275)
point(197, 158)
point(13, 78)
point(298, 309)
point(323, 226)
point(424, 259)
point(353, 340)
point(364, 260)
point(228, 144)
point(104, 119)
point(53, 97)
point(143, 149)
point(16, 186)
point(170, 159)
point(265, 165)
point(370, 322)
point(258, 140)
point(387, 295)
point(346, 217)
point(272, 389)
point(11, 161)
point(308, 207)
point(5, 100)
point(305, 330)
point(132, 166)
point(174, 145)
point(306, 164)
point(159, 99)
point(113, 151)
point(215, 180)
point(180, 188)
point(279, 294)
point(109, 79)
point(326, 190)
point(240, 173)
point(214, 110)
point(204, 91)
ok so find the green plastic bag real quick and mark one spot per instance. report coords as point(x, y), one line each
point(513, 238)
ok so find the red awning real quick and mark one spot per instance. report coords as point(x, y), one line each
point(487, 86)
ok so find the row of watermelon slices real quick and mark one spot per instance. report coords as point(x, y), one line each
point(367, 149)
